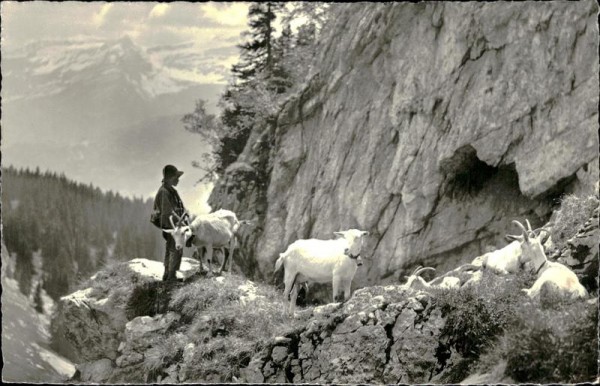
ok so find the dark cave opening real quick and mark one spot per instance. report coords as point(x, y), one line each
point(465, 175)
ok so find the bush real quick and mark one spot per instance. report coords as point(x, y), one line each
point(477, 315)
point(573, 213)
point(554, 346)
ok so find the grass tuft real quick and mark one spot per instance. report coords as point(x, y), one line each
point(573, 213)
point(229, 321)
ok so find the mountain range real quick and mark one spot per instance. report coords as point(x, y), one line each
point(106, 112)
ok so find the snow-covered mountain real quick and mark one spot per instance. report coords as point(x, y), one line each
point(46, 68)
point(64, 102)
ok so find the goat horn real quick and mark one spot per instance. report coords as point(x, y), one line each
point(171, 220)
point(416, 269)
point(543, 230)
point(515, 237)
point(525, 235)
point(532, 233)
point(183, 216)
point(423, 269)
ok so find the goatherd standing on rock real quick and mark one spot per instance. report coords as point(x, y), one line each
point(166, 203)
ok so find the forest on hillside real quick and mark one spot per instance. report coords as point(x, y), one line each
point(73, 228)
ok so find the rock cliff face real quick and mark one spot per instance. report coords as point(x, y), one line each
point(430, 125)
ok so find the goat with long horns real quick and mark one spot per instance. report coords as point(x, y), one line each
point(552, 277)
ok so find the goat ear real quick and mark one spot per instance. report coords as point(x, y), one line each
point(169, 231)
point(338, 235)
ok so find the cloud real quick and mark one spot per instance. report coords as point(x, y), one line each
point(228, 14)
point(99, 17)
point(158, 11)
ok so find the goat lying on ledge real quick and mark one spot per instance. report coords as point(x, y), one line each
point(502, 261)
point(449, 280)
point(552, 277)
point(506, 260)
point(321, 261)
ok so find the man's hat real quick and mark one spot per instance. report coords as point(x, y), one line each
point(170, 171)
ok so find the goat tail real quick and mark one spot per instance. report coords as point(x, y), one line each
point(279, 263)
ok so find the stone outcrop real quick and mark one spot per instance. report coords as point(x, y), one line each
point(94, 322)
point(581, 253)
point(382, 335)
point(431, 125)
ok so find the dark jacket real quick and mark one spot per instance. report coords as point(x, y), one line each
point(166, 201)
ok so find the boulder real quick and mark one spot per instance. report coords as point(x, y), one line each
point(381, 335)
point(93, 326)
point(145, 331)
point(96, 371)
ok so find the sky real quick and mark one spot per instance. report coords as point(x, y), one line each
point(213, 28)
point(150, 24)
point(147, 23)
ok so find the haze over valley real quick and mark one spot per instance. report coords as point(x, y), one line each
point(104, 106)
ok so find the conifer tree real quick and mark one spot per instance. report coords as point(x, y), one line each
point(257, 53)
point(38, 303)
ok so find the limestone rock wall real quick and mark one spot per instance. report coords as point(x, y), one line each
point(431, 125)
point(382, 335)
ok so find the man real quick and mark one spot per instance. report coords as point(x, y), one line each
point(167, 202)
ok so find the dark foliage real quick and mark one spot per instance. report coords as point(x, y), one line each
point(149, 299)
point(554, 346)
point(74, 226)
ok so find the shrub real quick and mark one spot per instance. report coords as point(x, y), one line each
point(573, 213)
point(476, 315)
point(554, 346)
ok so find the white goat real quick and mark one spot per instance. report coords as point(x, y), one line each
point(501, 261)
point(210, 231)
point(551, 276)
point(504, 261)
point(235, 225)
point(321, 261)
point(415, 281)
point(447, 280)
